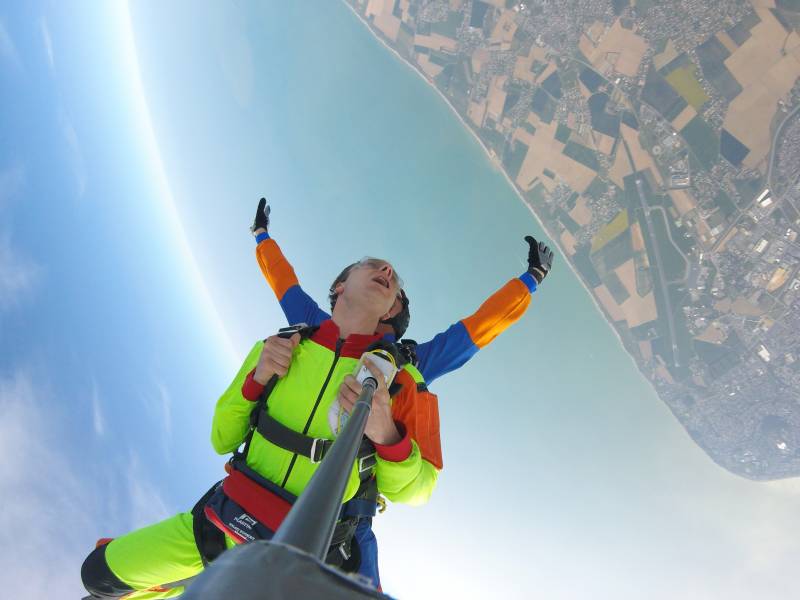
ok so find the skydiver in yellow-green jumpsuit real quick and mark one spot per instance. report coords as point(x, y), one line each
point(402, 460)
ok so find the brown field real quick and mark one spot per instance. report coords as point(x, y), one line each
point(377, 7)
point(544, 152)
point(687, 114)
point(384, 21)
point(683, 201)
point(641, 157)
point(604, 296)
point(431, 69)
point(522, 68)
point(619, 47)
point(436, 42)
point(568, 242)
point(602, 142)
point(621, 167)
point(477, 112)
point(479, 58)
point(581, 214)
point(740, 306)
point(637, 239)
point(496, 98)
point(669, 54)
point(726, 41)
point(548, 70)
point(637, 310)
point(504, 29)
point(712, 335)
point(779, 277)
point(731, 234)
point(664, 374)
point(766, 76)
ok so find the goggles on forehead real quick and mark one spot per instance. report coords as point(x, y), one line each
point(378, 264)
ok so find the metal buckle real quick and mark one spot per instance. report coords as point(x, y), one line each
point(363, 459)
point(313, 456)
point(343, 551)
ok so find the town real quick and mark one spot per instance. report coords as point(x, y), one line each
point(659, 145)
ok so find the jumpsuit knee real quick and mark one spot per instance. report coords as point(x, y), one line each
point(149, 563)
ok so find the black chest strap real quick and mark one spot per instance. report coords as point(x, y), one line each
point(312, 448)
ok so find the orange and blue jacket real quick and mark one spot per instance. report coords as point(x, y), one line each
point(446, 352)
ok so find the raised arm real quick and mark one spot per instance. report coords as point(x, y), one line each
point(298, 306)
point(450, 349)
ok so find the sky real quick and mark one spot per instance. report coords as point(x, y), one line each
point(135, 146)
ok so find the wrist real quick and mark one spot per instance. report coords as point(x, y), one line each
point(538, 274)
point(261, 377)
point(389, 436)
point(397, 452)
point(251, 389)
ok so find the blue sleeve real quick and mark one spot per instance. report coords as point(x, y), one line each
point(528, 280)
point(446, 352)
point(299, 307)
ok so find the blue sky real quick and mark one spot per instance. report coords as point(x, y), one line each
point(135, 148)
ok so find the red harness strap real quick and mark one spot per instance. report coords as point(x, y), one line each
point(262, 504)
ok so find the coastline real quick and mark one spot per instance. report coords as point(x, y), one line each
point(494, 163)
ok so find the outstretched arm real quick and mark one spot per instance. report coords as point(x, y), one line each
point(450, 349)
point(298, 306)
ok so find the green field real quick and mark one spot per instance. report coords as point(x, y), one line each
point(611, 230)
point(581, 154)
point(684, 81)
point(703, 141)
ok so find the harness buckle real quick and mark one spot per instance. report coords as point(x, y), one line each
point(316, 456)
point(381, 502)
point(365, 463)
point(343, 551)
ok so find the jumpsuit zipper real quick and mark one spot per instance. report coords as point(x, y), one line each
point(339, 344)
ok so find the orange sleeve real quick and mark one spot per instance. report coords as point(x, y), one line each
point(419, 412)
point(276, 269)
point(500, 310)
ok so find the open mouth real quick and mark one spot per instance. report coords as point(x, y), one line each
point(382, 280)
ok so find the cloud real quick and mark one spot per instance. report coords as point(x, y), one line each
point(8, 50)
point(47, 516)
point(97, 412)
point(159, 408)
point(54, 508)
point(147, 505)
point(48, 42)
point(77, 161)
point(18, 274)
point(12, 180)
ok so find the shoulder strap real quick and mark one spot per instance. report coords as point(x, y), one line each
point(305, 331)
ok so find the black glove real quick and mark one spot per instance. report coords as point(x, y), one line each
point(540, 259)
point(262, 216)
point(408, 350)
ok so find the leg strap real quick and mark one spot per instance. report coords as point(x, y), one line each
point(210, 540)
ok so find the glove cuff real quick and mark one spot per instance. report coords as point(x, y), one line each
point(538, 274)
